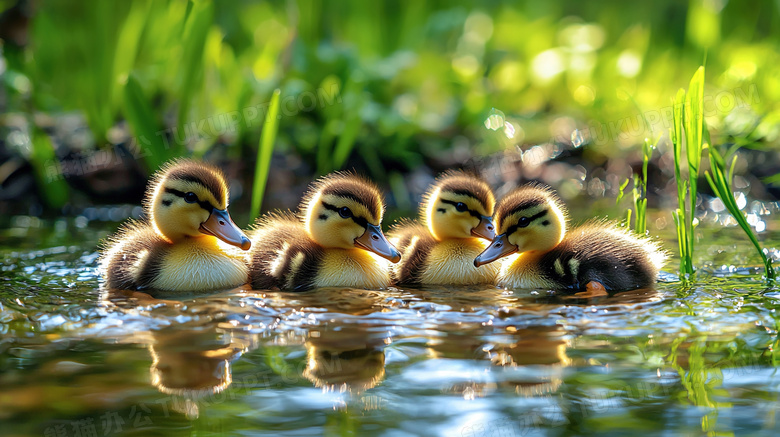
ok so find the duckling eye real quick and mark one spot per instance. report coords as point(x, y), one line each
point(523, 222)
point(190, 197)
point(460, 206)
point(344, 212)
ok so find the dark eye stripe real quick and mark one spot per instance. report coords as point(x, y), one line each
point(359, 220)
point(531, 219)
point(455, 204)
point(202, 203)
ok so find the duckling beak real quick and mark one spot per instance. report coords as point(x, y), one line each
point(499, 248)
point(485, 229)
point(374, 240)
point(220, 225)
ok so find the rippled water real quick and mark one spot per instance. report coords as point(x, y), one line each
point(75, 361)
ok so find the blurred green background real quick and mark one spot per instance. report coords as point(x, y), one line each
point(96, 95)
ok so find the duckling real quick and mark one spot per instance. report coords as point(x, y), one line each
point(596, 256)
point(455, 221)
point(331, 243)
point(179, 247)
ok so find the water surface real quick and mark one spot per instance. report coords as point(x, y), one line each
point(78, 361)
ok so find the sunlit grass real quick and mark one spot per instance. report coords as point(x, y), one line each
point(55, 192)
point(720, 182)
point(639, 192)
point(640, 189)
point(142, 120)
point(198, 20)
point(264, 152)
point(688, 132)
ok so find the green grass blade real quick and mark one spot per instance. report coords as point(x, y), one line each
point(622, 190)
point(694, 121)
point(694, 124)
point(264, 152)
point(772, 180)
point(680, 217)
point(720, 182)
point(144, 125)
point(199, 21)
point(346, 141)
point(53, 186)
point(128, 42)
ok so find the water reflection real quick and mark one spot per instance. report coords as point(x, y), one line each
point(690, 359)
point(541, 351)
point(347, 358)
point(194, 363)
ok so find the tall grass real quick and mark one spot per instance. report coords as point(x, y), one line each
point(720, 182)
point(55, 193)
point(640, 181)
point(639, 191)
point(142, 120)
point(687, 133)
point(198, 20)
point(264, 152)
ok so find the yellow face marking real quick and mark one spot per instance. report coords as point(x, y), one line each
point(173, 217)
point(310, 209)
point(430, 208)
point(358, 209)
point(542, 234)
point(203, 193)
point(445, 221)
point(328, 228)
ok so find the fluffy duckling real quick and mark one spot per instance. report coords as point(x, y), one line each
point(331, 244)
point(456, 220)
point(596, 256)
point(178, 248)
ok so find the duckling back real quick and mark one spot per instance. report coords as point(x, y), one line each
point(415, 243)
point(133, 257)
point(283, 256)
point(605, 253)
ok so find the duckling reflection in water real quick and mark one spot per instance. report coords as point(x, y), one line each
point(193, 363)
point(596, 256)
point(179, 247)
point(535, 346)
point(350, 359)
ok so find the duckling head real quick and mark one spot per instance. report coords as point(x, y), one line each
point(459, 205)
point(530, 218)
point(189, 200)
point(345, 211)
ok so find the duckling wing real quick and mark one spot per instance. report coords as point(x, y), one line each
point(131, 259)
point(415, 244)
point(603, 252)
point(282, 255)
